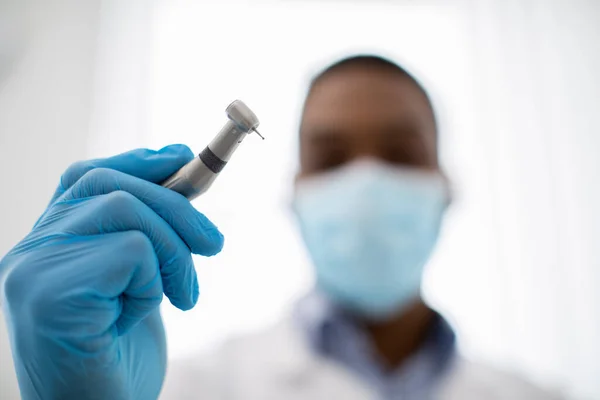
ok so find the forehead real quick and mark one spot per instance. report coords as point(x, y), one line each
point(361, 98)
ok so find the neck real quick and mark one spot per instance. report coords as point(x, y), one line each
point(398, 338)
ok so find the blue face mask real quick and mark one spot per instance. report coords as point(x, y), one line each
point(370, 229)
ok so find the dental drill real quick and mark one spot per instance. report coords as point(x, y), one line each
point(194, 178)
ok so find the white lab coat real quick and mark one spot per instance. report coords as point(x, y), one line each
point(277, 364)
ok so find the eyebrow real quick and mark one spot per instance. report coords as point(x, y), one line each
point(323, 136)
point(393, 130)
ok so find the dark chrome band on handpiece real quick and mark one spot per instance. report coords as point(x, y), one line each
point(214, 163)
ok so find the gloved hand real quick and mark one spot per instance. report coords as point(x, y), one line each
point(81, 292)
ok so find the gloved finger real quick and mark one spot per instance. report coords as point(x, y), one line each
point(120, 211)
point(146, 164)
point(197, 231)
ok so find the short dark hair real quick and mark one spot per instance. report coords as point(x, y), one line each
point(373, 62)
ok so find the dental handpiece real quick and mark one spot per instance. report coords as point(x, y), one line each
point(194, 178)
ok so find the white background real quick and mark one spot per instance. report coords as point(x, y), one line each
point(516, 87)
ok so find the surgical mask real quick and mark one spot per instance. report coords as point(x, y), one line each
point(370, 228)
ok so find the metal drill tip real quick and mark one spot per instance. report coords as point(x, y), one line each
point(258, 133)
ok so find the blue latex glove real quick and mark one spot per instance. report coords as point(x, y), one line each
point(81, 292)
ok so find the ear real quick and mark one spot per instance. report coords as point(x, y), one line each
point(449, 189)
point(297, 177)
point(290, 201)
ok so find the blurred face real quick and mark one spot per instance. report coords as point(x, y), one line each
point(369, 223)
point(366, 112)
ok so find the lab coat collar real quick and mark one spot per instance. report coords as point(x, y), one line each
point(296, 366)
point(294, 359)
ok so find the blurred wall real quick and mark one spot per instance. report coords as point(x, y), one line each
point(518, 80)
point(517, 87)
point(45, 105)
